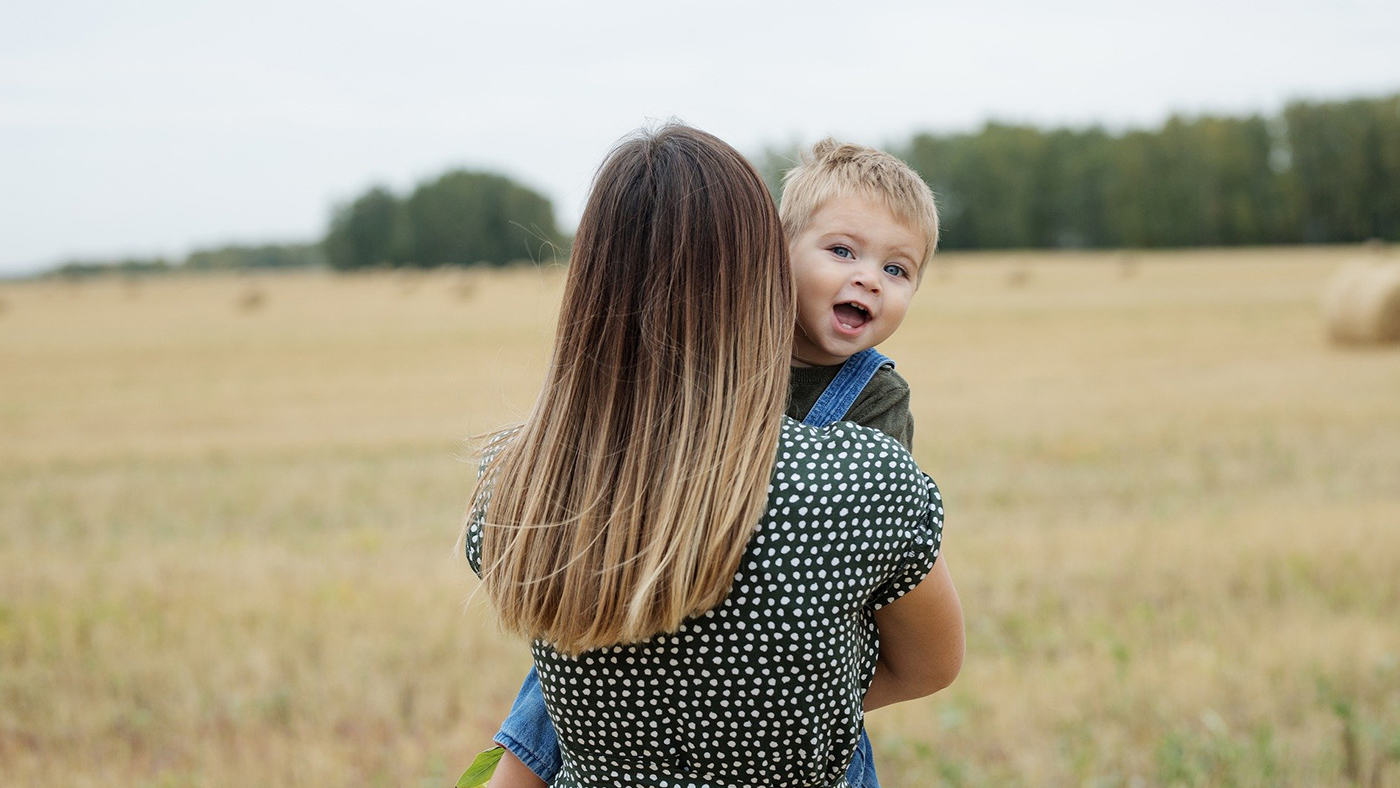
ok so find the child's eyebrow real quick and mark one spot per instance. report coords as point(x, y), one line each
point(906, 252)
point(851, 234)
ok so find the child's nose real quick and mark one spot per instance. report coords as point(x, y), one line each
point(867, 280)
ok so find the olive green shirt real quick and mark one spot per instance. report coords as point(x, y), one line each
point(883, 404)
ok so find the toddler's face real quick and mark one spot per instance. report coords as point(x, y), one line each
point(855, 267)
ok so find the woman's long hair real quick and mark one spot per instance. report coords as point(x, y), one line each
point(625, 501)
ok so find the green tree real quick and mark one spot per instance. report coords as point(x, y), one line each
point(368, 231)
point(987, 185)
point(471, 217)
point(239, 257)
point(1346, 156)
point(1323, 172)
point(774, 162)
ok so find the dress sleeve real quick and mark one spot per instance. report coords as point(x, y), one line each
point(471, 533)
point(920, 543)
point(476, 515)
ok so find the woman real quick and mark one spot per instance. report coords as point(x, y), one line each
point(709, 585)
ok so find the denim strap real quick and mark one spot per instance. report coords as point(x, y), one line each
point(843, 390)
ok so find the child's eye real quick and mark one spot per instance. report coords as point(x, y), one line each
point(895, 270)
point(842, 251)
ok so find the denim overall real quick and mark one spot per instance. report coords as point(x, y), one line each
point(528, 733)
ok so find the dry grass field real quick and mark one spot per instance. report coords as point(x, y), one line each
point(228, 509)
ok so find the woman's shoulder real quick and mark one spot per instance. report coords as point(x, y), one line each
point(476, 513)
point(856, 462)
point(856, 492)
point(494, 443)
point(843, 444)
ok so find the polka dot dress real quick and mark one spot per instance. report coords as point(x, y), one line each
point(766, 689)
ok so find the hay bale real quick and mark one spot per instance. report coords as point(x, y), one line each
point(1127, 266)
point(1018, 277)
point(462, 286)
point(251, 299)
point(1362, 305)
point(407, 281)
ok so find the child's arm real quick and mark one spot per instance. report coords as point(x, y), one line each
point(512, 772)
point(531, 759)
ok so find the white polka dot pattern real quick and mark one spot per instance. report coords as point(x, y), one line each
point(767, 688)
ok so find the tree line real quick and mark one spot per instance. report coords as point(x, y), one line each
point(232, 257)
point(458, 218)
point(1318, 172)
point(461, 217)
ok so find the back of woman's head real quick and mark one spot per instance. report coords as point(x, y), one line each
point(625, 501)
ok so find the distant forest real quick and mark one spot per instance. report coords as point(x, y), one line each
point(223, 258)
point(1319, 172)
point(1324, 172)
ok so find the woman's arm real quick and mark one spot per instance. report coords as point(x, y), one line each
point(921, 641)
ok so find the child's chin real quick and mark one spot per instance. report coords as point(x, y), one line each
point(838, 355)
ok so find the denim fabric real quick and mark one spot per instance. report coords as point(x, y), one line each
point(843, 390)
point(862, 771)
point(528, 733)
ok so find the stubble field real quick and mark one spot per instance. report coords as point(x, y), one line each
point(228, 509)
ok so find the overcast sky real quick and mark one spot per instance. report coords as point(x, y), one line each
point(152, 127)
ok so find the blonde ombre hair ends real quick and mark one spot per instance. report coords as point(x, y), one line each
point(624, 503)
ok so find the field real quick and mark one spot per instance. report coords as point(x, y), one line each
point(228, 509)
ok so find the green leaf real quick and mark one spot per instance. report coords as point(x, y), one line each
point(483, 766)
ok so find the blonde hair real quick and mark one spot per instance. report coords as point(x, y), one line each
point(832, 169)
point(625, 502)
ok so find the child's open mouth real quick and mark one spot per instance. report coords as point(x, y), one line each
point(851, 316)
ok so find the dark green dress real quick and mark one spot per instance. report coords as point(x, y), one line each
point(767, 688)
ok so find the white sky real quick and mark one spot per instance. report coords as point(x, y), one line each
point(157, 126)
